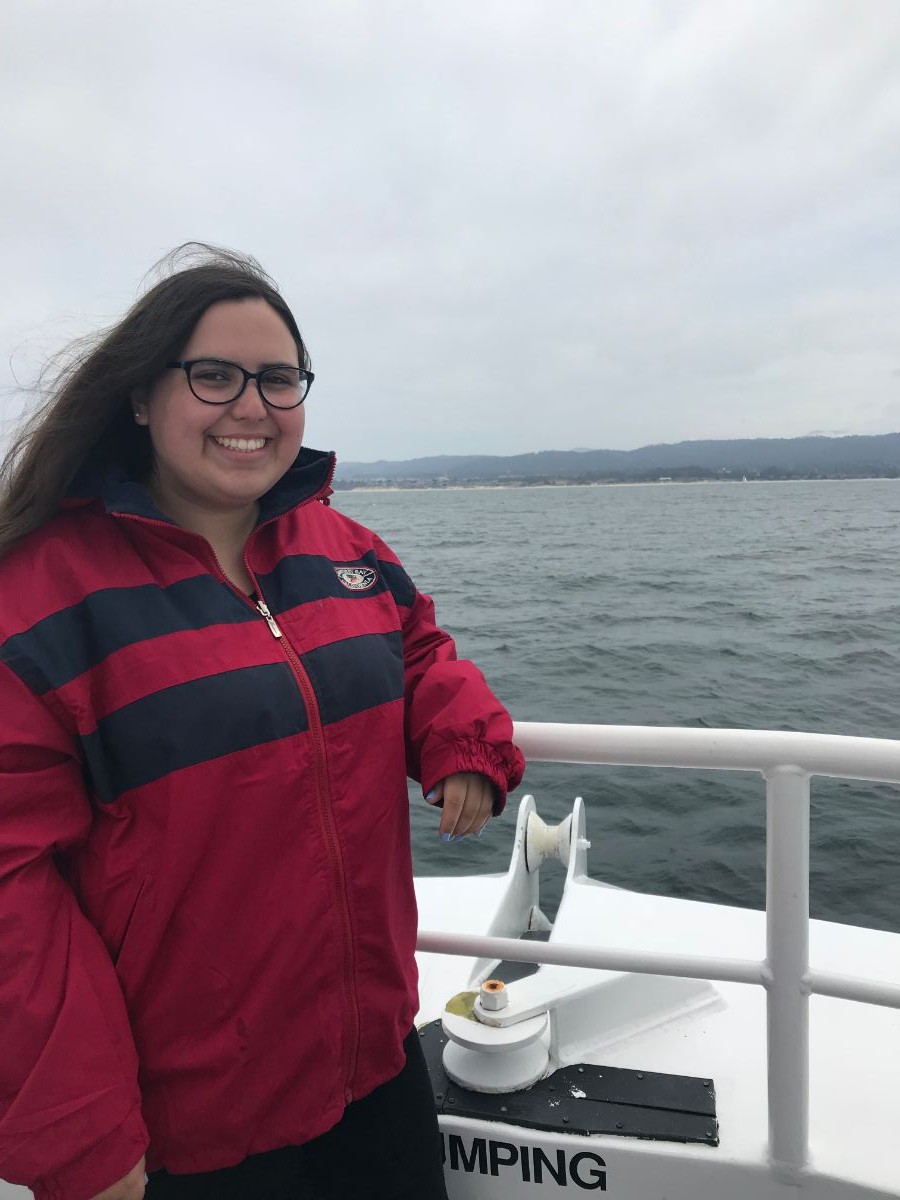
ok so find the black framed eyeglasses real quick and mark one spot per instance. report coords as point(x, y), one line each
point(215, 381)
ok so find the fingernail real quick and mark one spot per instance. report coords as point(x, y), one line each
point(446, 837)
point(481, 831)
point(431, 795)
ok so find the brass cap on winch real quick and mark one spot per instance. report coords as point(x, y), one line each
point(493, 994)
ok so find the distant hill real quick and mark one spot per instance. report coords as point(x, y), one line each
point(779, 458)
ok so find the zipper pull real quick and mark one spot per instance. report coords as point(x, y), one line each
point(268, 618)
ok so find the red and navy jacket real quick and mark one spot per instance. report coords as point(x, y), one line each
point(207, 918)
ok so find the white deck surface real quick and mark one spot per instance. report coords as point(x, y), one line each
point(854, 1048)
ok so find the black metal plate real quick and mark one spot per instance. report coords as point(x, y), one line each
point(509, 972)
point(586, 1099)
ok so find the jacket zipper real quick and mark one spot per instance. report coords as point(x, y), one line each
point(323, 792)
point(331, 839)
point(269, 619)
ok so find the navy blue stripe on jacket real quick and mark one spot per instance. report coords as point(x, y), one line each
point(63, 646)
point(192, 723)
point(356, 673)
point(204, 719)
point(304, 578)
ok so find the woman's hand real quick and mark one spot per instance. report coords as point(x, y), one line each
point(131, 1187)
point(468, 804)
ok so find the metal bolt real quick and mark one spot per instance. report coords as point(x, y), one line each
point(709, 1133)
point(451, 1100)
point(619, 1125)
point(565, 1120)
point(707, 1082)
point(439, 1095)
point(581, 1070)
point(494, 995)
point(503, 1108)
point(640, 1075)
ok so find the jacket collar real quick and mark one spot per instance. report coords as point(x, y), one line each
point(308, 478)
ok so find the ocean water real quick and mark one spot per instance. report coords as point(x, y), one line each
point(759, 605)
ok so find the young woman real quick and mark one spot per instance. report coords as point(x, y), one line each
point(212, 689)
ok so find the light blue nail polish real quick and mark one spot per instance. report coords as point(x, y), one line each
point(446, 837)
point(431, 795)
point(481, 831)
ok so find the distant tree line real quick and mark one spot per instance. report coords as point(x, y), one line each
point(875, 457)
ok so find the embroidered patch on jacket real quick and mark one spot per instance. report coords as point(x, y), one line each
point(357, 579)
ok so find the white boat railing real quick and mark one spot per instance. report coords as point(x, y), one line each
point(787, 761)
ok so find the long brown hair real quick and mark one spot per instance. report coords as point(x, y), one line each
point(87, 421)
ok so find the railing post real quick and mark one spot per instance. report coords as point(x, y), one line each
point(787, 958)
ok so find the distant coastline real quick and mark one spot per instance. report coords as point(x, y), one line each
point(571, 483)
point(736, 461)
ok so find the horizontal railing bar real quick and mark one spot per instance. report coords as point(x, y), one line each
point(842, 987)
point(837, 756)
point(732, 970)
point(684, 966)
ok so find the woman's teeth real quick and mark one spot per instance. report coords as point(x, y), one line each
point(241, 443)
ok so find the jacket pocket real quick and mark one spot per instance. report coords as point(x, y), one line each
point(131, 933)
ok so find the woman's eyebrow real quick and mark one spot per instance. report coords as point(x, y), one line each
point(263, 366)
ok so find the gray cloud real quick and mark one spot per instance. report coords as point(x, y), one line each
point(503, 226)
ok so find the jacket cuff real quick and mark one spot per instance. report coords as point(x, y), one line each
point(100, 1167)
point(503, 767)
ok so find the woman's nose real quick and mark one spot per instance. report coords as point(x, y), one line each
point(250, 402)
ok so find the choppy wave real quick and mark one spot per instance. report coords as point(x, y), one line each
point(770, 606)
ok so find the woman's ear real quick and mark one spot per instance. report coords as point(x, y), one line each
point(139, 406)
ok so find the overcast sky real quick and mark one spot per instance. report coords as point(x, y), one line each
point(503, 225)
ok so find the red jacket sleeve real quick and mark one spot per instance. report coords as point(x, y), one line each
point(70, 1119)
point(454, 722)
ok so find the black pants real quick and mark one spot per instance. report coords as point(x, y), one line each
point(385, 1147)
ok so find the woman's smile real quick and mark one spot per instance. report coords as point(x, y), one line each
point(243, 444)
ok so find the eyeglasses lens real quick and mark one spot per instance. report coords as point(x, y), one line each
point(284, 387)
point(219, 383)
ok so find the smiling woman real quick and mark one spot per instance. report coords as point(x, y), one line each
point(212, 688)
